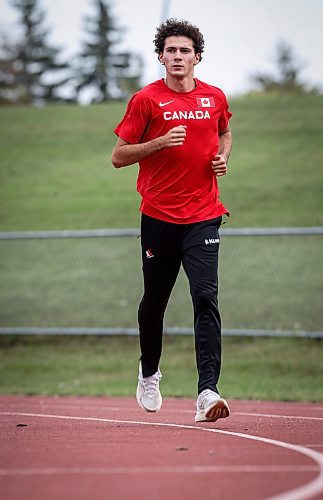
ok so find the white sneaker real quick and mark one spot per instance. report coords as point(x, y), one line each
point(148, 393)
point(210, 407)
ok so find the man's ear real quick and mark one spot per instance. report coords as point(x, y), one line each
point(197, 58)
point(161, 58)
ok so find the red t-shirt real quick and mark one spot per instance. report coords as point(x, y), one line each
point(177, 184)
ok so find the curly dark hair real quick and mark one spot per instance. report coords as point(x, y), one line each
point(174, 27)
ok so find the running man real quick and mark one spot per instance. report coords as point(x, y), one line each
point(177, 129)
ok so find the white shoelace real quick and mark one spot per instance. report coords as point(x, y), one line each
point(151, 384)
point(204, 397)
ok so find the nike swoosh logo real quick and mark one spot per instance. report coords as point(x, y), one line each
point(161, 104)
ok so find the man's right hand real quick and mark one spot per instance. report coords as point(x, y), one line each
point(175, 137)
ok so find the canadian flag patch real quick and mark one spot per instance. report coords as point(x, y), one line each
point(205, 102)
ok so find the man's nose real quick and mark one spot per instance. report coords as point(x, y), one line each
point(178, 55)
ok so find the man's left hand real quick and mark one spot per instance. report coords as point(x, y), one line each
point(219, 165)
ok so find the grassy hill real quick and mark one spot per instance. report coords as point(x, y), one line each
point(56, 171)
point(56, 174)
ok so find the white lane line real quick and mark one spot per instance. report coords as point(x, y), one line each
point(269, 415)
point(312, 488)
point(193, 469)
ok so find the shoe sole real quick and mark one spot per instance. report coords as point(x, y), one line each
point(220, 409)
point(148, 409)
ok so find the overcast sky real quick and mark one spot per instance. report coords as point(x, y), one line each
point(240, 35)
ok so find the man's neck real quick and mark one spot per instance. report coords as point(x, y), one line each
point(186, 84)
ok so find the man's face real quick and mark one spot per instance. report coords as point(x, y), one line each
point(179, 56)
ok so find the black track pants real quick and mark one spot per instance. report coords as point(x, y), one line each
point(165, 246)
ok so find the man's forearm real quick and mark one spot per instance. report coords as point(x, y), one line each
point(128, 154)
point(125, 153)
point(225, 140)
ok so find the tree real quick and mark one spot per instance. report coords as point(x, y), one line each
point(288, 73)
point(29, 67)
point(8, 71)
point(108, 74)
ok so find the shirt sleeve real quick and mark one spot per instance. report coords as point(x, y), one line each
point(135, 121)
point(225, 115)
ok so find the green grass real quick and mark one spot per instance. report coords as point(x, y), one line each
point(56, 174)
point(56, 171)
point(265, 282)
point(275, 369)
point(276, 175)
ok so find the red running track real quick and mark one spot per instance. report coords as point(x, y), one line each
point(108, 448)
